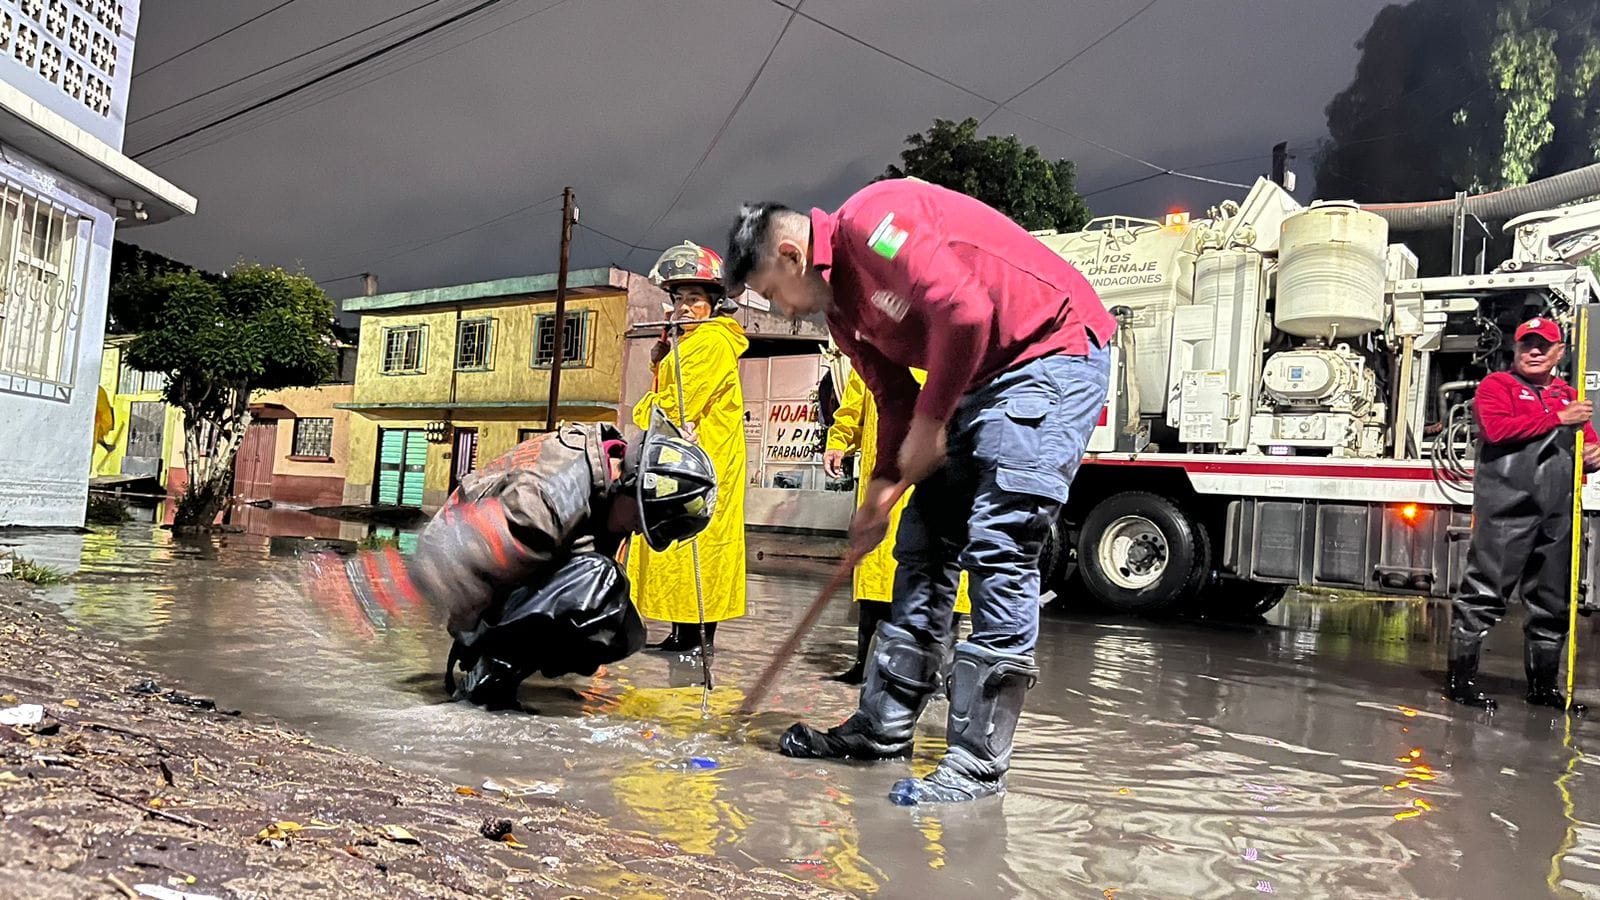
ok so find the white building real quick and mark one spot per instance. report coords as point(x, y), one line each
point(65, 67)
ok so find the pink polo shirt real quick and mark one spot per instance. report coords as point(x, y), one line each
point(928, 278)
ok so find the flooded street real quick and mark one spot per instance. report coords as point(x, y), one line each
point(1308, 755)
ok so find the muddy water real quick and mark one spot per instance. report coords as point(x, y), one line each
point(1308, 755)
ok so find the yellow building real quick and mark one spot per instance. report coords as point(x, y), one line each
point(294, 452)
point(143, 430)
point(450, 376)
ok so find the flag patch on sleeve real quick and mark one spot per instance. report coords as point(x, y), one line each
point(887, 239)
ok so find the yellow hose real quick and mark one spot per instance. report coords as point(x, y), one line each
point(1579, 369)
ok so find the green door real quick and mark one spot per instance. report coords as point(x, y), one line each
point(402, 462)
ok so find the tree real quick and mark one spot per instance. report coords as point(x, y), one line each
point(1465, 95)
point(131, 268)
point(1001, 171)
point(218, 339)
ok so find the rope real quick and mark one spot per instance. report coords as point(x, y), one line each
point(694, 542)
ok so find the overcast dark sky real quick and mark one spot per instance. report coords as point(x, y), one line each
point(372, 170)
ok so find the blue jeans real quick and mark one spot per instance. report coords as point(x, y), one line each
point(1014, 445)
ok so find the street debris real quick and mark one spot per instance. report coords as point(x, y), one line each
point(687, 764)
point(26, 714)
point(157, 892)
point(496, 829)
point(520, 789)
point(148, 792)
point(399, 835)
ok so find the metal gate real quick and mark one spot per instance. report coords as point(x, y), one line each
point(252, 466)
point(146, 424)
point(465, 457)
point(402, 464)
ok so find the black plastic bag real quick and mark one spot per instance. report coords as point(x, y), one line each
point(573, 622)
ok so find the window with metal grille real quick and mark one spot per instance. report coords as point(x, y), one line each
point(403, 349)
point(133, 381)
point(574, 347)
point(40, 296)
point(474, 343)
point(313, 437)
point(70, 43)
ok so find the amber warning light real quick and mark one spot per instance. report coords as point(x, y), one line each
point(1177, 219)
point(1410, 513)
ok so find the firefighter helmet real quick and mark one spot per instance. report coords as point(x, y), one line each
point(687, 264)
point(674, 482)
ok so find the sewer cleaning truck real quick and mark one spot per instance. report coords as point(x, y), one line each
point(1291, 401)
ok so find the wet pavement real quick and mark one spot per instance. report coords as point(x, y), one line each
point(1306, 755)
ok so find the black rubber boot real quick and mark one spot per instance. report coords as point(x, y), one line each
point(987, 689)
point(871, 612)
point(492, 683)
point(1541, 661)
point(898, 685)
point(671, 642)
point(948, 657)
point(685, 638)
point(1461, 683)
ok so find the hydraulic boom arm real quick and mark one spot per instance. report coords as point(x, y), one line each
point(1564, 235)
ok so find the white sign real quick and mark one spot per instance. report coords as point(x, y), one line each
point(793, 432)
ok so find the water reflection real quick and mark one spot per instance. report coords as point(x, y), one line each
point(1308, 755)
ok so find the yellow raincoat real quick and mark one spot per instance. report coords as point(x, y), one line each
point(855, 429)
point(663, 583)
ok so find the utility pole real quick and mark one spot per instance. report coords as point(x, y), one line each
point(1280, 167)
point(569, 215)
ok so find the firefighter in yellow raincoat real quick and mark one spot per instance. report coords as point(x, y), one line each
point(855, 430)
point(664, 582)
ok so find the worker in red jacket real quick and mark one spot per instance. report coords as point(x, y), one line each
point(1522, 514)
point(1013, 338)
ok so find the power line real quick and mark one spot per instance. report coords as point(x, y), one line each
point(1122, 184)
point(1154, 175)
point(369, 79)
point(316, 96)
point(214, 37)
point(991, 101)
point(379, 76)
point(278, 65)
point(340, 70)
point(1068, 61)
point(728, 120)
point(612, 237)
point(413, 246)
point(341, 278)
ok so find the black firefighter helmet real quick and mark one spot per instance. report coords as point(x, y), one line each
point(674, 481)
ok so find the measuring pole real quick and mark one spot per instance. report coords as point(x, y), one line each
point(569, 215)
point(1580, 377)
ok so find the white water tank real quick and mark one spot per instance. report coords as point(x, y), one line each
point(1331, 265)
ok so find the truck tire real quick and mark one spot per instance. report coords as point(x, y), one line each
point(1050, 558)
point(1141, 553)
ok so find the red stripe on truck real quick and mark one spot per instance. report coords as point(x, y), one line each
point(1363, 469)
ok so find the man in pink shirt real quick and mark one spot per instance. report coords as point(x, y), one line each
point(1013, 338)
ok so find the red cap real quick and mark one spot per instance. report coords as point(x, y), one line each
point(1545, 328)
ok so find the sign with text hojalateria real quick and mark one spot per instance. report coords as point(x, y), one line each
point(793, 432)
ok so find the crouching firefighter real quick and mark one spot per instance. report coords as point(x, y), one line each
point(1522, 515)
point(523, 556)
